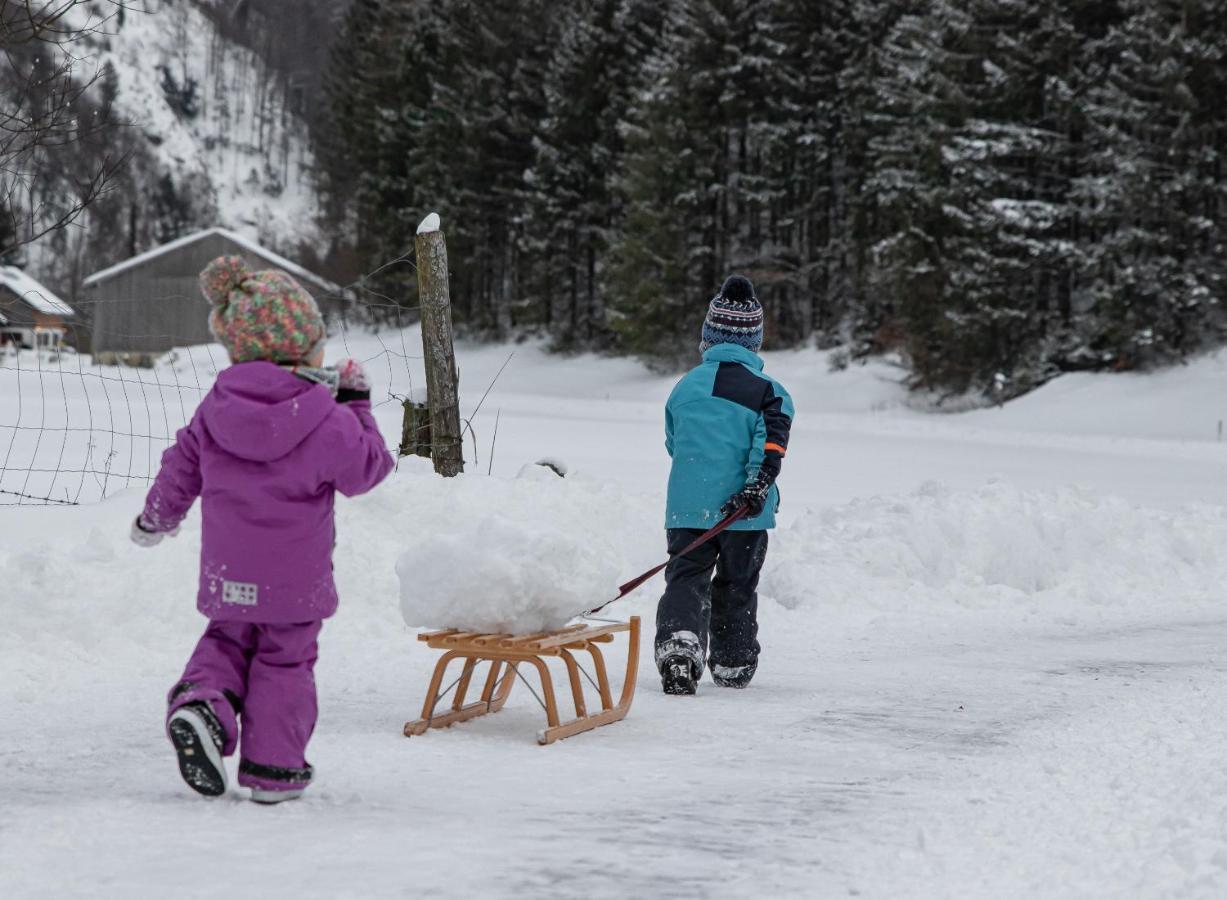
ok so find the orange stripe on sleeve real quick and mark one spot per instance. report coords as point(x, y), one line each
point(771, 445)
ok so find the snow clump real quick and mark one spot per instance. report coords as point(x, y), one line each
point(512, 556)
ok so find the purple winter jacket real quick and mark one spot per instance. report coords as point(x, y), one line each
point(265, 452)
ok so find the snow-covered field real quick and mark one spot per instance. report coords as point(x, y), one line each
point(995, 657)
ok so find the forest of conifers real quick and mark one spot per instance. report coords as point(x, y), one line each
point(997, 189)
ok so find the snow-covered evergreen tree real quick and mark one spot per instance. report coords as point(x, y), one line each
point(917, 105)
point(590, 85)
point(813, 168)
point(972, 162)
point(1151, 191)
point(693, 176)
point(473, 143)
point(363, 170)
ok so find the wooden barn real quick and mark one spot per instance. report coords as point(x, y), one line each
point(31, 316)
point(151, 303)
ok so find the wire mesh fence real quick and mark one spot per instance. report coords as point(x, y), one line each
point(73, 431)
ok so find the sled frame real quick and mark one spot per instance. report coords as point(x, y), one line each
point(506, 653)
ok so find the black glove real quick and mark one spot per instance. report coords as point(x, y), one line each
point(753, 497)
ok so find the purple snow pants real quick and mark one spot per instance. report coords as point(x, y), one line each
point(265, 674)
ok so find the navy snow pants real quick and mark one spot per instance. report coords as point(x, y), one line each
point(719, 616)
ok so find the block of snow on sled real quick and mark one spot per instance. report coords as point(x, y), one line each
point(505, 577)
point(511, 555)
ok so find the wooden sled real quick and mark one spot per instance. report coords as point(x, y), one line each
point(506, 653)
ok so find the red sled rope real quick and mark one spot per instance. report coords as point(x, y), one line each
point(702, 539)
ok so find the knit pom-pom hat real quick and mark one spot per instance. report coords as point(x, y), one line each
point(734, 316)
point(260, 315)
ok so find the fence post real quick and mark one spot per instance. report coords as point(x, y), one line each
point(415, 432)
point(442, 380)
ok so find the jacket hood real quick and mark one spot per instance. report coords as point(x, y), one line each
point(734, 353)
point(260, 412)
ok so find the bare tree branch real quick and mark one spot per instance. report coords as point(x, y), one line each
point(47, 108)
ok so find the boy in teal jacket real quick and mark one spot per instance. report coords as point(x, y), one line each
point(726, 428)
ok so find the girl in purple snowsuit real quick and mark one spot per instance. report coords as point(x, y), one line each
point(267, 449)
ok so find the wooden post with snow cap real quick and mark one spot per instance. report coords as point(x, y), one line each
point(442, 379)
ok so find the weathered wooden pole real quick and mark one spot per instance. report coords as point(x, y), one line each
point(442, 379)
point(415, 431)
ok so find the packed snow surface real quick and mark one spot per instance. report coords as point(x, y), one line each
point(511, 556)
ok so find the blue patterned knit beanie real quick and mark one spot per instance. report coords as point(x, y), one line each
point(734, 317)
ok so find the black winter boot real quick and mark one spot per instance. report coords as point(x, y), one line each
point(679, 657)
point(197, 737)
point(677, 675)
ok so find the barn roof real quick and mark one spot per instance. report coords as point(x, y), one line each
point(34, 294)
point(251, 246)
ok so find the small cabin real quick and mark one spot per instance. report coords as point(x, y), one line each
point(151, 303)
point(31, 316)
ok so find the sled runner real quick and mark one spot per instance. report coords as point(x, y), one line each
point(508, 655)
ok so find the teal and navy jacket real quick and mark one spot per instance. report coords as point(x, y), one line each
point(724, 423)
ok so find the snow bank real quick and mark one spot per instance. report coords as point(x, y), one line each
point(1184, 402)
point(515, 555)
point(475, 551)
point(1062, 551)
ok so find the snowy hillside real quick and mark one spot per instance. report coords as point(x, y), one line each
point(211, 133)
point(237, 138)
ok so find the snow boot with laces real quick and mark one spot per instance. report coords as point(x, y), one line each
point(677, 675)
point(197, 738)
point(679, 657)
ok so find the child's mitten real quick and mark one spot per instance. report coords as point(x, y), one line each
point(354, 385)
point(753, 497)
point(144, 536)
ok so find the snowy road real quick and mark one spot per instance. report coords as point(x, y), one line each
point(1025, 765)
point(872, 762)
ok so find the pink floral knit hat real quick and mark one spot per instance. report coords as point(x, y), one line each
point(260, 315)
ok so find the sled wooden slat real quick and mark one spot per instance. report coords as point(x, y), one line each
point(490, 639)
point(532, 641)
point(459, 637)
point(562, 639)
point(509, 657)
point(437, 635)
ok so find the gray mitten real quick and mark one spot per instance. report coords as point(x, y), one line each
point(144, 536)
